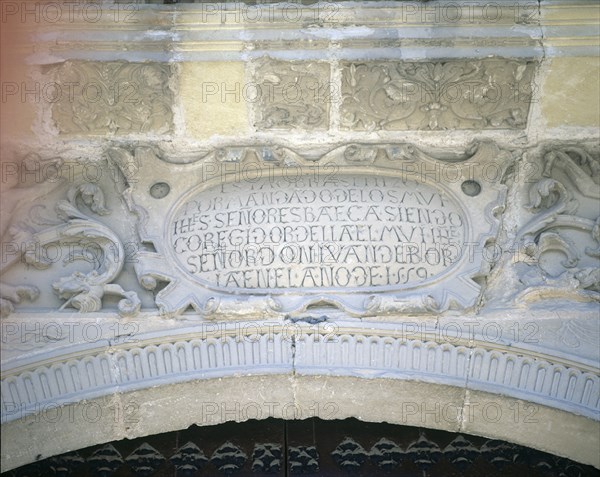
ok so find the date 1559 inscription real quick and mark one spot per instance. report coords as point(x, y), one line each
point(347, 232)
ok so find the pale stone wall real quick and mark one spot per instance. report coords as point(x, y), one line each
point(112, 114)
point(204, 67)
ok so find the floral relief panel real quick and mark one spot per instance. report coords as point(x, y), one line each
point(484, 94)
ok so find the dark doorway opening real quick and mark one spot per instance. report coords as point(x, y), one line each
point(310, 447)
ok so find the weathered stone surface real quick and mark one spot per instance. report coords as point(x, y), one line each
point(292, 94)
point(571, 99)
point(114, 97)
point(140, 413)
point(19, 100)
point(213, 98)
point(453, 94)
point(551, 429)
point(554, 254)
point(221, 99)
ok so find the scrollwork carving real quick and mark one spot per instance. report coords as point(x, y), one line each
point(113, 97)
point(82, 291)
point(293, 94)
point(486, 94)
point(16, 195)
point(563, 201)
point(229, 277)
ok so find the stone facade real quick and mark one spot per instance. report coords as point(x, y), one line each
point(342, 204)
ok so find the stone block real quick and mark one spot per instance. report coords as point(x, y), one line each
point(20, 94)
point(569, 99)
point(414, 403)
point(213, 98)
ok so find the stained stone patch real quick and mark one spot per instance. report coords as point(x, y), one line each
point(390, 95)
point(115, 97)
point(573, 102)
point(291, 95)
point(214, 98)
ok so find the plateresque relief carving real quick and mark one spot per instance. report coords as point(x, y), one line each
point(557, 250)
point(389, 95)
point(85, 239)
point(114, 97)
point(291, 95)
point(17, 195)
point(262, 230)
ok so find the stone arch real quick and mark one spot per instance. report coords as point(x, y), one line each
point(153, 409)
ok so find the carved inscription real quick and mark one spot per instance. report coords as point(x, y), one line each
point(343, 232)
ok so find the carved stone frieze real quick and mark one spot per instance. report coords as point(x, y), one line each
point(452, 94)
point(113, 97)
point(292, 95)
point(158, 360)
point(263, 231)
